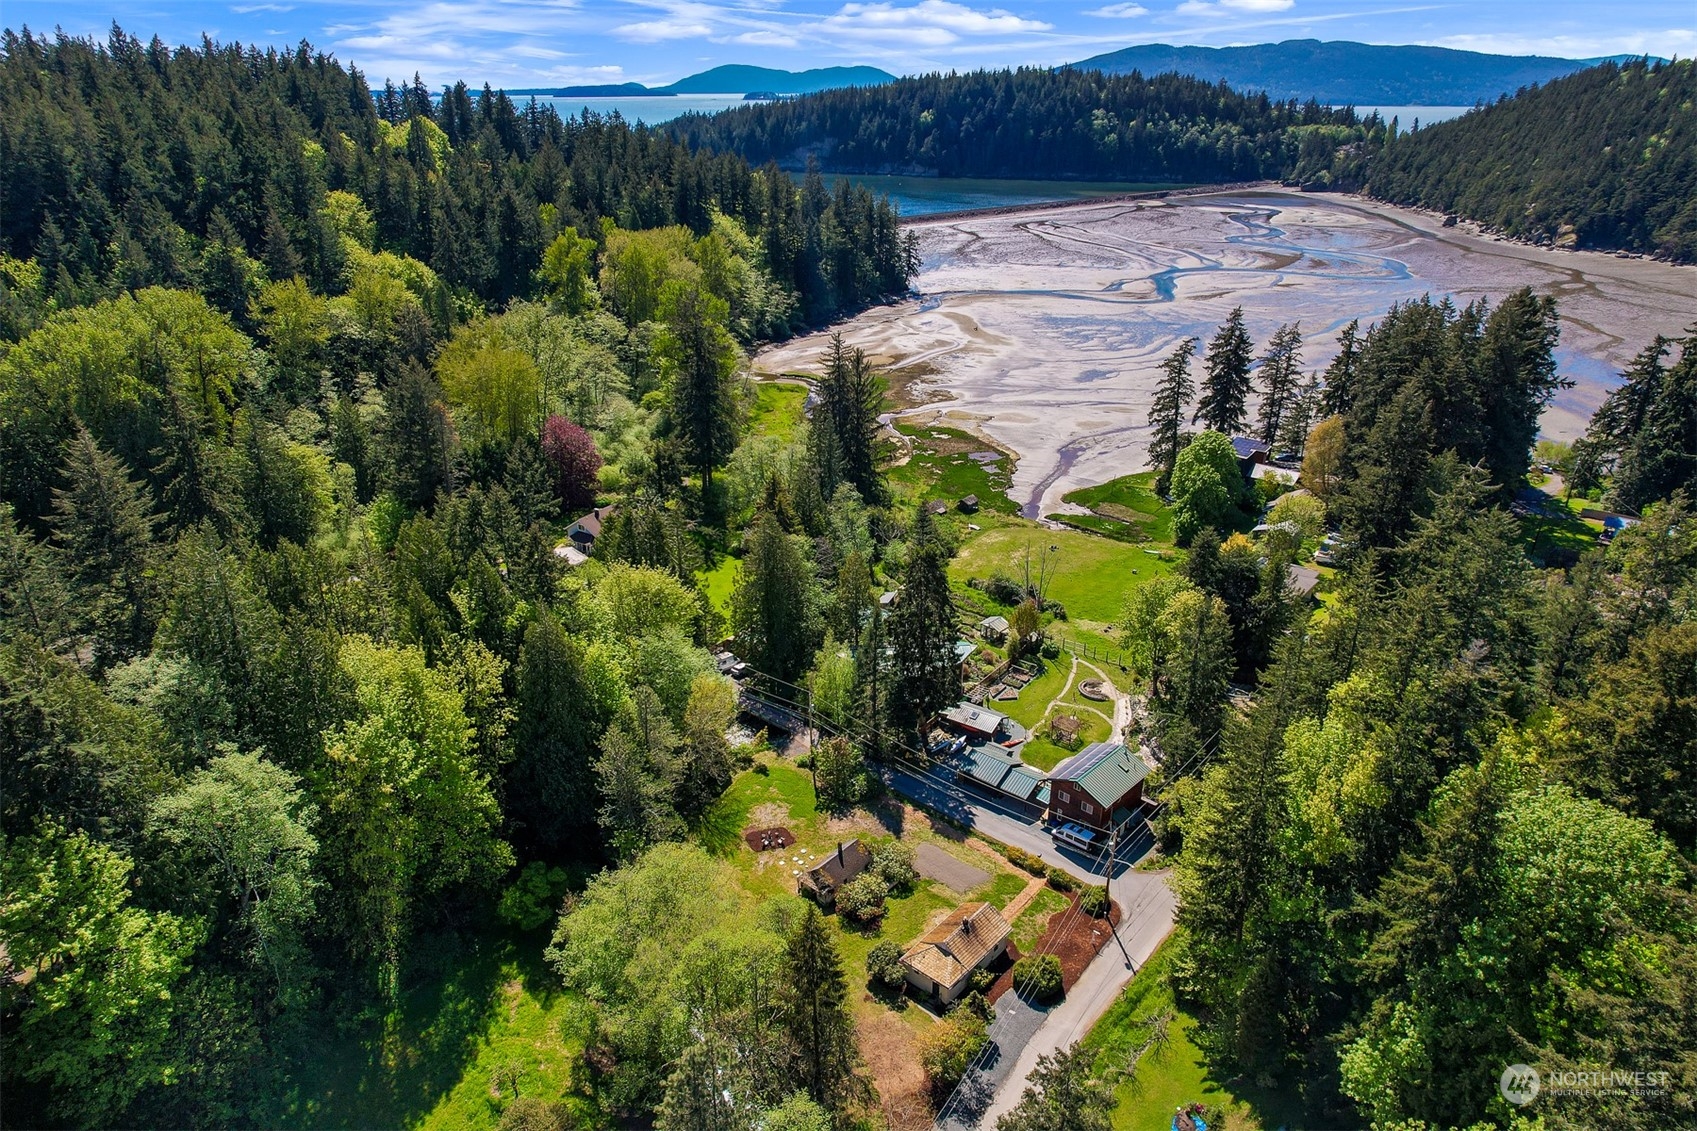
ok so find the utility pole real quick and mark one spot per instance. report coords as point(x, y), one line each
point(1108, 889)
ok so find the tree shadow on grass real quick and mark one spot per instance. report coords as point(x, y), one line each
point(720, 828)
point(391, 1070)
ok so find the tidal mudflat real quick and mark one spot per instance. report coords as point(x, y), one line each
point(1042, 329)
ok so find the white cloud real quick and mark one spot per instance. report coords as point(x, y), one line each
point(928, 22)
point(1258, 5)
point(250, 9)
point(1666, 43)
point(1119, 11)
point(763, 39)
point(654, 31)
point(1198, 8)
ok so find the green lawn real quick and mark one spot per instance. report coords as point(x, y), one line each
point(1174, 1074)
point(905, 916)
point(1034, 920)
point(1564, 534)
point(718, 582)
point(941, 467)
point(1090, 574)
point(777, 410)
point(477, 1006)
point(1149, 519)
point(1034, 697)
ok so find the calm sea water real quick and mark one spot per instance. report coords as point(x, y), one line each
point(1407, 115)
point(651, 110)
point(930, 196)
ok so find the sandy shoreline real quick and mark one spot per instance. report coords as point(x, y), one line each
point(1043, 325)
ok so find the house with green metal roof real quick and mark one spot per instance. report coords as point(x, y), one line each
point(1094, 784)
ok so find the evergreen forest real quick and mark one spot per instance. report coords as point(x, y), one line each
point(381, 480)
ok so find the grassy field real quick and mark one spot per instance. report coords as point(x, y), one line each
point(1034, 697)
point(718, 582)
point(785, 796)
point(941, 466)
point(777, 410)
point(1126, 509)
point(1089, 575)
point(478, 1007)
point(1178, 1072)
point(1562, 535)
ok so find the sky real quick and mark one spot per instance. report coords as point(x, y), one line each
point(531, 43)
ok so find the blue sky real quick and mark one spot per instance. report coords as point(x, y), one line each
point(517, 43)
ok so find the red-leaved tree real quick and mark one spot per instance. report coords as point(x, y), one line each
point(573, 460)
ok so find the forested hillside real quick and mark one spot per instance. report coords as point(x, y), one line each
point(1451, 828)
point(1340, 73)
point(1606, 158)
point(300, 389)
point(128, 164)
point(1036, 123)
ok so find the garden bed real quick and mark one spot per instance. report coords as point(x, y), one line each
point(1073, 937)
point(764, 840)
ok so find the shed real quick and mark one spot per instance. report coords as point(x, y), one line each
point(823, 879)
point(1065, 728)
point(968, 505)
point(940, 962)
point(971, 719)
point(994, 629)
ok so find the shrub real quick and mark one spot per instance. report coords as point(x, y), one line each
point(1038, 978)
point(1003, 590)
point(1093, 901)
point(884, 964)
point(1062, 881)
point(1051, 650)
point(762, 769)
point(534, 897)
point(1020, 858)
point(893, 861)
point(948, 1047)
point(862, 898)
point(804, 762)
point(981, 981)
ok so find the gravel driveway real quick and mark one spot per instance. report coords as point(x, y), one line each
point(935, 864)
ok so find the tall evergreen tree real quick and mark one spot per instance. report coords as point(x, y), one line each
point(417, 438)
point(557, 718)
point(104, 524)
point(1166, 413)
point(1225, 388)
point(923, 629)
point(1279, 379)
point(851, 399)
point(817, 1013)
point(1339, 393)
point(1298, 419)
point(774, 607)
point(702, 361)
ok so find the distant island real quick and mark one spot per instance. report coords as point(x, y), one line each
point(1342, 73)
point(765, 82)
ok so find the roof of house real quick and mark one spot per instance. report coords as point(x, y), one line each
point(957, 946)
point(1302, 580)
point(1022, 781)
point(986, 764)
point(1247, 446)
point(841, 866)
point(994, 624)
point(1104, 770)
point(591, 522)
point(970, 716)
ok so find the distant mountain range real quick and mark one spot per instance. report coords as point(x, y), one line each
point(731, 79)
point(1343, 73)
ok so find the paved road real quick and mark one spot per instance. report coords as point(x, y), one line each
point(1005, 822)
point(1149, 905)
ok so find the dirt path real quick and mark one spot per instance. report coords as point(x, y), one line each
point(1023, 900)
